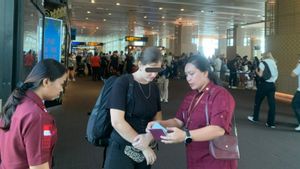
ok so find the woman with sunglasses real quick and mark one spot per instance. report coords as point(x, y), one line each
point(131, 130)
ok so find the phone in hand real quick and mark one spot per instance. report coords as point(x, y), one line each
point(158, 130)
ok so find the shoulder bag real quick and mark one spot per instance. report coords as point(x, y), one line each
point(224, 147)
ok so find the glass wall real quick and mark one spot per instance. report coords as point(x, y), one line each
point(33, 30)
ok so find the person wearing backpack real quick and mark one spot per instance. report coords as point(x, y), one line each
point(130, 128)
point(268, 74)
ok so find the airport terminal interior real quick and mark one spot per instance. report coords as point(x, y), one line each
point(227, 32)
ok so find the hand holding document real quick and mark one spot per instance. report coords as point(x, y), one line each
point(158, 130)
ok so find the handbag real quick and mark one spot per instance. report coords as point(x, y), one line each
point(134, 153)
point(224, 147)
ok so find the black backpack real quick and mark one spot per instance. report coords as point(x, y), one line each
point(266, 73)
point(99, 125)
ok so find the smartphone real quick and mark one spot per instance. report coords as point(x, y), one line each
point(158, 130)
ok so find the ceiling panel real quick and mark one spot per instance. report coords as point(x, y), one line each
point(212, 17)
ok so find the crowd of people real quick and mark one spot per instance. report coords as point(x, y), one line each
point(28, 132)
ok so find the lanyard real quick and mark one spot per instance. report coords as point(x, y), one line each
point(192, 108)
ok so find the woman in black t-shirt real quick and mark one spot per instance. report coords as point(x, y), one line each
point(130, 131)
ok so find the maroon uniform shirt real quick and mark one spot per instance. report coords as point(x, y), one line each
point(31, 137)
point(220, 109)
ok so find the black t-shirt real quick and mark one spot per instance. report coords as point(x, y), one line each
point(144, 108)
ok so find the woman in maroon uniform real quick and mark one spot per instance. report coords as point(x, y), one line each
point(27, 130)
point(189, 125)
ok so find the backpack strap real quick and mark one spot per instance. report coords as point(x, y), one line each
point(130, 98)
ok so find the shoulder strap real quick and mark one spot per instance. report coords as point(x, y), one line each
point(130, 100)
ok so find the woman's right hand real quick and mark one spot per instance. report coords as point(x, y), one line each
point(150, 156)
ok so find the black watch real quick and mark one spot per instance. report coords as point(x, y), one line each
point(188, 138)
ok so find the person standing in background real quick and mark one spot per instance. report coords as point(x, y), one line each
point(163, 79)
point(296, 98)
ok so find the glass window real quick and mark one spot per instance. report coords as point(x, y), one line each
point(33, 30)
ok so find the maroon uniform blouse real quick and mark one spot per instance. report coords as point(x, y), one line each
point(31, 137)
point(220, 109)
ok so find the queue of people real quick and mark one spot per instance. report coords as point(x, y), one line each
point(28, 132)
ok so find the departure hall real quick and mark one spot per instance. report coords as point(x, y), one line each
point(242, 40)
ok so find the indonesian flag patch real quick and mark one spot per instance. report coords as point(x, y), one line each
point(47, 133)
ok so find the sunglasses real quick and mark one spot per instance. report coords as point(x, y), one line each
point(153, 69)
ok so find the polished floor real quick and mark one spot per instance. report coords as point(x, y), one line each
point(260, 147)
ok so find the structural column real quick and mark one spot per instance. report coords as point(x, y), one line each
point(283, 39)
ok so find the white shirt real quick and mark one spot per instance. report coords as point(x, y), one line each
point(297, 72)
point(273, 69)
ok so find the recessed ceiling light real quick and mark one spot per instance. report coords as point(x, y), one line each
point(88, 11)
point(181, 9)
point(104, 20)
point(118, 4)
point(202, 11)
point(145, 17)
point(87, 18)
point(93, 1)
point(109, 13)
point(160, 8)
point(162, 17)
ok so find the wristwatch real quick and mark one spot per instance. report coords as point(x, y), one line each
point(188, 138)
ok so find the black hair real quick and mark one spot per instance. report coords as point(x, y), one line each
point(46, 69)
point(150, 55)
point(202, 63)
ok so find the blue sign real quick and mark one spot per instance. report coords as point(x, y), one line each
point(52, 38)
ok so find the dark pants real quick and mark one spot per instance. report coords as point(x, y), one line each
point(265, 89)
point(296, 105)
point(116, 159)
point(232, 78)
point(96, 73)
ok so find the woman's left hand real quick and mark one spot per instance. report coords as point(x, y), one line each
point(141, 141)
point(175, 135)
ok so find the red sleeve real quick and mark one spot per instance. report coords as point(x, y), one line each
point(38, 136)
point(222, 109)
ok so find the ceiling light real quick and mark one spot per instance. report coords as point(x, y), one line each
point(160, 8)
point(162, 17)
point(87, 18)
point(104, 20)
point(181, 9)
point(88, 11)
point(93, 1)
point(202, 11)
point(145, 17)
point(109, 13)
point(97, 27)
point(118, 4)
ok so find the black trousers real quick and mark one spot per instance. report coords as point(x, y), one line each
point(232, 78)
point(296, 105)
point(265, 89)
point(116, 159)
